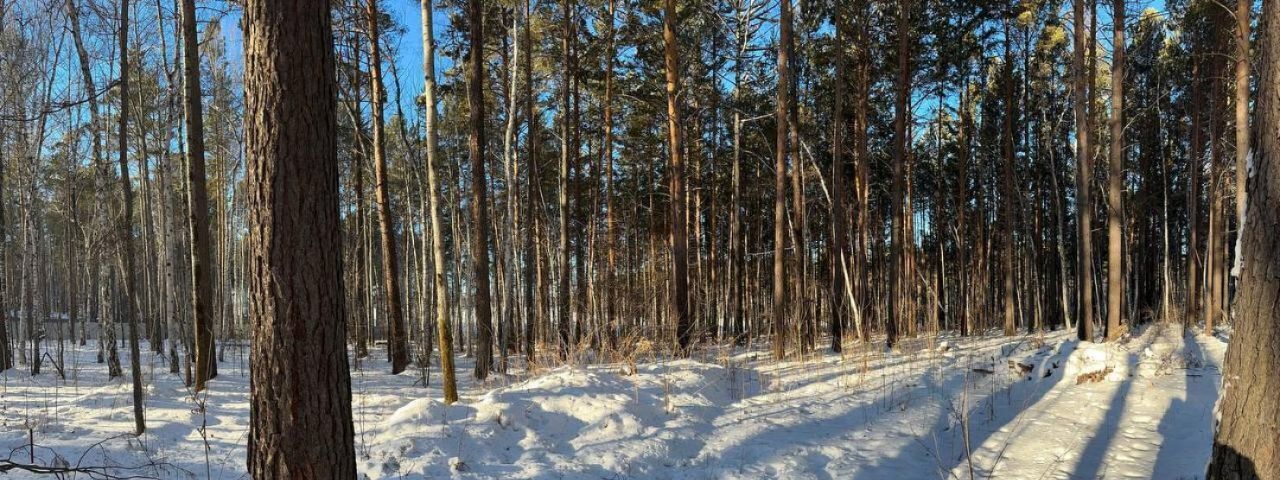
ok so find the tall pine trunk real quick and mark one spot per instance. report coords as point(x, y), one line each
point(1192, 310)
point(1115, 181)
point(300, 407)
point(397, 337)
point(679, 242)
point(839, 250)
point(610, 283)
point(962, 202)
point(1244, 9)
point(479, 190)
point(780, 183)
point(1084, 176)
point(1246, 442)
point(897, 282)
point(862, 267)
point(566, 156)
point(1215, 245)
point(197, 201)
point(6, 356)
point(1007, 203)
point(533, 278)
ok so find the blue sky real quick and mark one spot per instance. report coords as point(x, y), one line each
point(408, 58)
point(408, 15)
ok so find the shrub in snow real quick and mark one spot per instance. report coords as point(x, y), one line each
point(1104, 360)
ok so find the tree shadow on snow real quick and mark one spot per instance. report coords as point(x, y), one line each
point(1092, 457)
point(988, 412)
point(1092, 461)
point(1187, 426)
point(924, 454)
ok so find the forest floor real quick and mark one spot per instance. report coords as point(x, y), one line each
point(1026, 407)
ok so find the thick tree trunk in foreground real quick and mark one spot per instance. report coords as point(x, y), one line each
point(1246, 444)
point(197, 201)
point(300, 412)
point(679, 242)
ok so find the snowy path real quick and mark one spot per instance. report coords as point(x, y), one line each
point(1155, 423)
point(725, 415)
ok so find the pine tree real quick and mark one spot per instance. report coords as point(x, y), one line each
point(839, 251)
point(1084, 176)
point(679, 240)
point(780, 182)
point(479, 189)
point(1246, 442)
point(300, 407)
point(397, 336)
point(902, 94)
point(1115, 180)
point(197, 202)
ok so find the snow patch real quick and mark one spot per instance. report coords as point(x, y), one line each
point(738, 414)
point(1106, 359)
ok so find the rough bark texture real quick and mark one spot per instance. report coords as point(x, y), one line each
point(1115, 181)
point(566, 156)
point(397, 337)
point(479, 190)
point(679, 242)
point(300, 412)
point(901, 98)
point(1246, 444)
point(839, 253)
point(197, 201)
point(1084, 265)
point(780, 184)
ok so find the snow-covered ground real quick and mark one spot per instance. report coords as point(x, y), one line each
point(963, 408)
